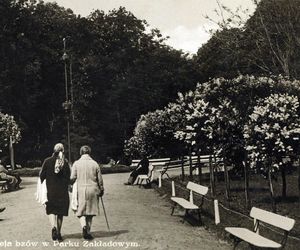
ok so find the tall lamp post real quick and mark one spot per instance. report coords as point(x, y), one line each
point(67, 104)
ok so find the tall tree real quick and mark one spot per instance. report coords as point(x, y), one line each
point(127, 72)
point(268, 42)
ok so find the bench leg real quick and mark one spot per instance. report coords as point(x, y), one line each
point(186, 213)
point(141, 182)
point(159, 181)
point(199, 216)
point(256, 248)
point(236, 242)
point(4, 187)
point(174, 205)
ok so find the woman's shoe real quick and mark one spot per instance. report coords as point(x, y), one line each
point(59, 238)
point(54, 233)
point(85, 233)
point(89, 237)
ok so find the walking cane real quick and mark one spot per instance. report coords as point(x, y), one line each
point(105, 214)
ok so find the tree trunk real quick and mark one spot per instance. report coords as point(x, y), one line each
point(227, 181)
point(299, 181)
point(246, 179)
point(11, 153)
point(190, 162)
point(212, 179)
point(199, 169)
point(283, 176)
point(271, 188)
point(216, 169)
point(182, 168)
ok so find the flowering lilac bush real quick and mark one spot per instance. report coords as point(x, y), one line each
point(8, 127)
point(195, 115)
point(212, 117)
point(271, 128)
point(258, 115)
point(153, 134)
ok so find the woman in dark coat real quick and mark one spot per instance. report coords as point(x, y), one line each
point(142, 168)
point(56, 172)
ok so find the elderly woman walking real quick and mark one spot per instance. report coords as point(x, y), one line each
point(56, 172)
point(89, 188)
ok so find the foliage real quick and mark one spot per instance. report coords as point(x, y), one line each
point(120, 70)
point(264, 43)
point(212, 117)
point(127, 72)
point(153, 136)
point(271, 128)
point(8, 127)
point(273, 30)
point(196, 115)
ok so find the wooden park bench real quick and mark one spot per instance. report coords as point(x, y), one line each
point(4, 184)
point(170, 166)
point(9, 167)
point(155, 162)
point(186, 163)
point(148, 178)
point(253, 238)
point(189, 204)
point(18, 166)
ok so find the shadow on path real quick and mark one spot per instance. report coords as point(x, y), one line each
point(28, 183)
point(97, 234)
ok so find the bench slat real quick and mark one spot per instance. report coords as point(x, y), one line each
point(160, 161)
point(252, 237)
point(276, 220)
point(184, 203)
point(143, 176)
point(197, 188)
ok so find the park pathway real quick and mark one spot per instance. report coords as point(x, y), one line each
point(139, 219)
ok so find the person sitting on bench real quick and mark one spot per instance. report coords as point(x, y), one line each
point(142, 168)
point(6, 175)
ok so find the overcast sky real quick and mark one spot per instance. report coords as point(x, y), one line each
point(182, 20)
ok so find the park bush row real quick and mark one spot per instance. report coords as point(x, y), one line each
point(251, 121)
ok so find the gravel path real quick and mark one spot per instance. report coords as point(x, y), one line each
point(139, 219)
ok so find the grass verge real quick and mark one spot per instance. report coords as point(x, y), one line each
point(234, 211)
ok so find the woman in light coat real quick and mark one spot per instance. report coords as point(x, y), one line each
point(87, 173)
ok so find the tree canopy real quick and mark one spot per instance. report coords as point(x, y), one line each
point(266, 43)
point(119, 71)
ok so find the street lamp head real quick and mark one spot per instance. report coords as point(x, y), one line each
point(67, 105)
point(65, 56)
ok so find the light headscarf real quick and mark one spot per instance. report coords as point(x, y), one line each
point(59, 163)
